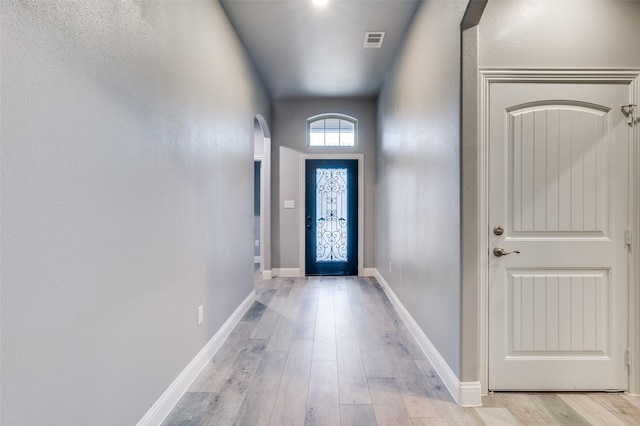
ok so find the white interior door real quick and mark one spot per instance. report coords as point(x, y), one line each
point(558, 182)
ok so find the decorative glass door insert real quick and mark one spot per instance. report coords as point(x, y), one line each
point(331, 217)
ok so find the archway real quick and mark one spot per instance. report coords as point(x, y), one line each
point(262, 154)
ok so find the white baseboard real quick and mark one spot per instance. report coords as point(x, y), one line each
point(168, 400)
point(466, 394)
point(368, 272)
point(469, 394)
point(267, 275)
point(286, 272)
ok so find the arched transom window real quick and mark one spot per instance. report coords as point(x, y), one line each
point(332, 130)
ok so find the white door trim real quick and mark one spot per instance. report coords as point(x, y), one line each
point(302, 198)
point(490, 76)
point(265, 209)
point(265, 197)
point(634, 293)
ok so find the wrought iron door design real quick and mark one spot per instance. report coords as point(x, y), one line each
point(331, 217)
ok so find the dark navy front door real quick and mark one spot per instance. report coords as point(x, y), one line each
point(331, 215)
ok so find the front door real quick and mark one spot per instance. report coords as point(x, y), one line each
point(331, 216)
point(559, 190)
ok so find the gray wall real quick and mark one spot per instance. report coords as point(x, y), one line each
point(469, 225)
point(418, 176)
point(557, 33)
point(127, 158)
point(288, 141)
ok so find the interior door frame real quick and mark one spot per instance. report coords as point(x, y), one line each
point(302, 198)
point(265, 196)
point(489, 76)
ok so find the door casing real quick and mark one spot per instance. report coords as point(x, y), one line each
point(302, 196)
point(265, 196)
point(492, 76)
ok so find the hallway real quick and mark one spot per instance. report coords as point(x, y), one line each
point(130, 131)
point(331, 351)
point(323, 350)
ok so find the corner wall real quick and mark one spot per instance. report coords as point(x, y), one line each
point(127, 155)
point(418, 176)
point(516, 34)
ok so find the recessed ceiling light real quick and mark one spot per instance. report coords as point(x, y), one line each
point(320, 2)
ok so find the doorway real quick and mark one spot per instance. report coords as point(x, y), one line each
point(331, 217)
point(302, 216)
point(262, 157)
point(559, 187)
point(257, 256)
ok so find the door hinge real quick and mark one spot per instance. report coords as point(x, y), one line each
point(627, 357)
point(628, 111)
point(628, 236)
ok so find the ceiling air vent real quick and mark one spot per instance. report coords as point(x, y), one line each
point(373, 39)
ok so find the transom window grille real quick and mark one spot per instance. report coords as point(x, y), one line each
point(332, 130)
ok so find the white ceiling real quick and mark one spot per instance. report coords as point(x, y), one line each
point(302, 50)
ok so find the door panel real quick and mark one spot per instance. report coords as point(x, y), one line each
point(559, 187)
point(559, 311)
point(331, 217)
point(559, 179)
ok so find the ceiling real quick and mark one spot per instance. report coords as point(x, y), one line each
point(303, 50)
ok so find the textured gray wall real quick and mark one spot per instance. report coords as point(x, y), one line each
point(288, 141)
point(556, 33)
point(418, 176)
point(469, 210)
point(127, 156)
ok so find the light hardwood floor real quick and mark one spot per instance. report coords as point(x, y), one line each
point(333, 351)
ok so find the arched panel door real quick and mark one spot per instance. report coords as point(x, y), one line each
point(558, 211)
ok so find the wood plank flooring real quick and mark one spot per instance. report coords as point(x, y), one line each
point(333, 351)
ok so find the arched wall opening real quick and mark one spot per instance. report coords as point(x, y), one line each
point(262, 155)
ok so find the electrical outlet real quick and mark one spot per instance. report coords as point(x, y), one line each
point(200, 314)
point(257, 243)
point(389, 267)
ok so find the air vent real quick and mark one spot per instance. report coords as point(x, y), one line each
point(373, 39)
